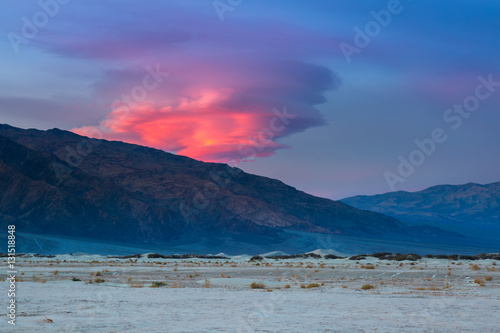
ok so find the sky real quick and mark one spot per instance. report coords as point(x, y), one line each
point(336, 98)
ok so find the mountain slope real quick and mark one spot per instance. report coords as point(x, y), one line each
point(472, 209)
point(57, 182)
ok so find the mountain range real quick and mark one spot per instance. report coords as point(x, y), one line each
point(470, 209)
point(56, 182)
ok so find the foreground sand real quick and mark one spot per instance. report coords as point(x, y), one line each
point(428, 295)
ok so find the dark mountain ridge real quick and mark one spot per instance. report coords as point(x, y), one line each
point(57, 182)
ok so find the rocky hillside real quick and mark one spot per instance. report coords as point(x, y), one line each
point(57, 182)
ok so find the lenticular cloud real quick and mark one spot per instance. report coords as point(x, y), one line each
point(216, 111)
point(223, 86)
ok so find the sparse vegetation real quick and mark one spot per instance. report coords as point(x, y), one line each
point(313, 285)
point(75, 279)
point(488, 278)
point(158, 284)
point(479, 281)
point(257, 285)
point(367, 287)
point(99, 280)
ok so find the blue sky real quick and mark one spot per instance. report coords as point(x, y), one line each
point(351, 120)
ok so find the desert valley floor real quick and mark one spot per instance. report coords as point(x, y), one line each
point(70, 293)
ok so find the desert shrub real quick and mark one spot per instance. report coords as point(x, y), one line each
point(287, 286)
point(479, 281)
point(437, 256)
point(98, 274)
point(475, 267)
point(332, 256)
point(269, 290)
point(75, 279)
point(313, 285)
point(255, 258)
point(358, 257)
point(369, 266)
point(257, 285)
point(99, 280)
point(410, 256)
point(382, 255)
point(207, 284)
point(367, 287)
point(488, 278)
point(55, 272)
point(157, 284)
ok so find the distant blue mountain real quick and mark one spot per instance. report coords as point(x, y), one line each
point(470, 209)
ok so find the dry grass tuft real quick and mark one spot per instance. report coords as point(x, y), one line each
point(479, 281)
point(367, 287)
point(257, 285)
point(312, 285)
